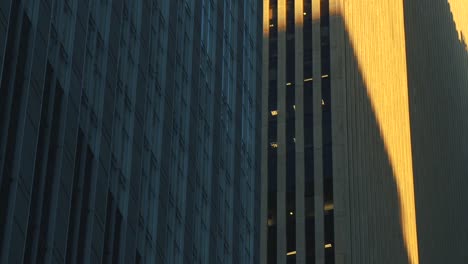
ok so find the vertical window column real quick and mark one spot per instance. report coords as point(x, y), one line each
point(308, 136)
point(290, 134)
point(281, 197)
point(326, 134)
point(272, 132)
point(11, 104)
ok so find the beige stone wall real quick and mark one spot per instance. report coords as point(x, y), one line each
point(437, 61)
point(399, 80)
point(400, 127)
point(380, 202)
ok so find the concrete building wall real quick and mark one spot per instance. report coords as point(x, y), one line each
point(381, 152)
point(380, 217)
point(437, 59)
point(398, 96)
point(297, 187)
point(128, 131)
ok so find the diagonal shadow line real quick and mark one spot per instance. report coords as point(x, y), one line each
point(380, 164)
point(376, 202)
point(437, 59)
point(377, 233)
point(383, 214)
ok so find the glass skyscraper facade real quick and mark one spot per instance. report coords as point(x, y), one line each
point(129, 131)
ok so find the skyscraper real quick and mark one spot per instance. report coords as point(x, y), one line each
point(364, 131)
point(129, 131)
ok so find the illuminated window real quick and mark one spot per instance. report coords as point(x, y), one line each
point(271, 25)
point(308, 79)
point(323, 102)
point(270, 222)
point(274, 145)
point(328, 245)
point(328, 207)
point(325, 76)
point(274, 112)
point(291, 253)
point(288, 84)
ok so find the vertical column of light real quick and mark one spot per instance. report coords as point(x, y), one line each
point(265, 113)
point(281, 151)
point(341, 246)
point(299, 129)
point(270, 55)
point(308, 134)
point(265, 218)
point(327, 133)
point(290, 134)
point(317, 133)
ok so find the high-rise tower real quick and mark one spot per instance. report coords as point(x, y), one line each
point(364, 124)
point(297, 157)
point(129, 131)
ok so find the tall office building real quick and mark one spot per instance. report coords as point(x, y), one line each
point(129, 130)
point(364, 131)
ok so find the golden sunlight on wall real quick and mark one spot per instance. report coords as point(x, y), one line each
point(298, 12)
point(376, 32)
point(266, 17)
point(282, 16)
point(459, 9)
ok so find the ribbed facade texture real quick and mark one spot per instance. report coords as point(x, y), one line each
point(130, 131)
point(379, 143)
point(297, 163)
point(437, 59)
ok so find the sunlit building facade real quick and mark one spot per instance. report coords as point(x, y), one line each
point(129, 131)
point(364, 124)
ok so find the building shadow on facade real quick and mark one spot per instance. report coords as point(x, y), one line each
point(376, 233)
point(437, 60)
point(437, 70)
